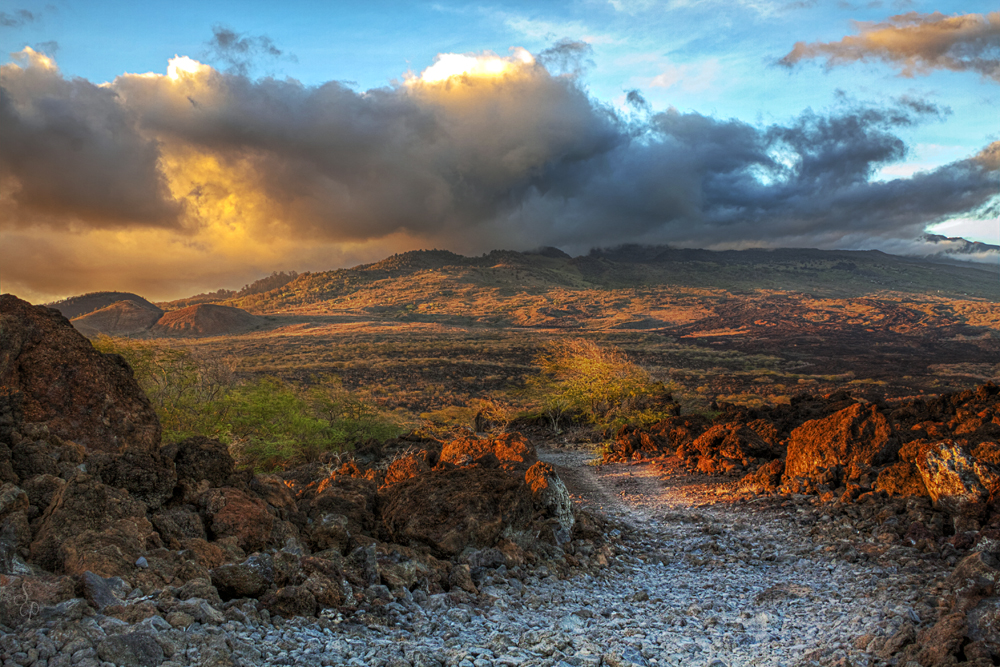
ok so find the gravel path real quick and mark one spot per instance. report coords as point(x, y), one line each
point(698, 579)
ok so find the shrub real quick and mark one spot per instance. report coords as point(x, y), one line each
point(598, 384)
point(266, 422)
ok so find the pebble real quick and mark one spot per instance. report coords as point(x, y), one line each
point(699, 584)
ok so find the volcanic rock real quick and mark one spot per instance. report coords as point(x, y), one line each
point(449, 510)
point(231, 512)
point(901, 479)
point(549, 493)
point(955, 479)
point(509, 448)
point(850, 440)
point(84, 505)
point(79, 393)
point(148, 477)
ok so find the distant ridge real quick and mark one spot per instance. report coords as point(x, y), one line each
point(75, 306)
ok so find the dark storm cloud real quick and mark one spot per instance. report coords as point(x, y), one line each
point(17, 19)
point(72, 154)
point(916, 44)
point(469, 162)
point(241, 52)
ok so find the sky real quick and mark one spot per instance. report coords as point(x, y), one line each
point(172, 148)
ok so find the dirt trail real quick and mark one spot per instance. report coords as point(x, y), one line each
point(747, 583)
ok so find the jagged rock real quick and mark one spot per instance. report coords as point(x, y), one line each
point(27, 596)
point(901, 479)
point(42, 489)
point(983, 628)
point(352, 497)
point(12, 499)
point(147, 477)
point(290, 601)
point(231, 512)
point(450, 510)
point(954, 479)
point(732, 442)
point(83, 504)
point(251, 578)
point(111, 552)
point(329, 531)
point(131, 649)
point(510, 448)
point(765, 479)
point(98, 591)
point(850, 440)
point(406, 467)
point(176, 524)
point(201, 463)
point(550, 495)
point(79, 393)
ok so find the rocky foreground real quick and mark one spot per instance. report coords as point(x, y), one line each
point(762, 538)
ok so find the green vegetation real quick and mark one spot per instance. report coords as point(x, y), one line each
point(598, 385)
point(267, 423)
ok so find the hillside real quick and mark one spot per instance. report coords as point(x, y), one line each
point(75, 306)
point(205, 320)
point(122, 318)
point(414, 280)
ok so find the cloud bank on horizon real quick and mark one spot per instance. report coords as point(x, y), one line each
point(200, 175)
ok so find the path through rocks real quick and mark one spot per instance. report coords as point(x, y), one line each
point(697, 579)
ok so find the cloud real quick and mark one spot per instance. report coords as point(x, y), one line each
point(240, 51)
point(567, 56)
point(17, 19)
point(73, 154)
point(916, 44)
point(197, 174)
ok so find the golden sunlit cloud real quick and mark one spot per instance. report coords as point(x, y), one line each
point(484, 65)
point(183, 66)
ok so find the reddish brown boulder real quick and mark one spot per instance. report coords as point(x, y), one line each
point(111, 552)
point(955, 479)
point(853, 439)
point(732, 441)
point(249, 579)
point(351, 497)
point(177, 524)
point(230, 512)
point(449, 510)
point(901, 479)
point(81, 394)
point(24, 597)
point(42, 489)
point(765, 479)
point(290, 601)
point(403, 468)
point(201, 463)
point(83, 504)
point(510, 448)
point(148, 477)
point(635, 443)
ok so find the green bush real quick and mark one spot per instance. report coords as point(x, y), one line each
point(598, 385)
point(267, 423)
